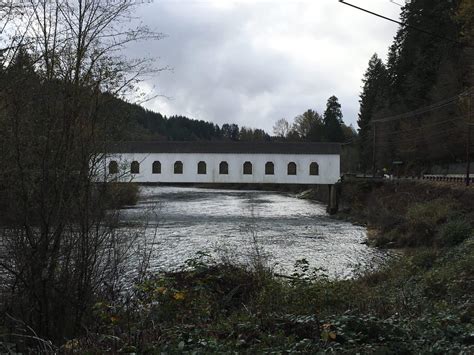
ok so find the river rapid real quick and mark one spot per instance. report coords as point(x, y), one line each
point(238, 225)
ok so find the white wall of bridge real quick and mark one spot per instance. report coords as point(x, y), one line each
point(329, 168)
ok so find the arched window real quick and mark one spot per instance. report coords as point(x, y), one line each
point(201, 167)
point(291, 168)
point(135, 167)
point(313, 168)
point(156, 167)
point(247, 168)
point(269, 168)
point(223, 168)
point(113, 167)
point(178, 167)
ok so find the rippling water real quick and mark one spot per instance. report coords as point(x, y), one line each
point(234, 223)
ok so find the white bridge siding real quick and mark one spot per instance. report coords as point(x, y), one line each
point(127, 155)
point(329, 168)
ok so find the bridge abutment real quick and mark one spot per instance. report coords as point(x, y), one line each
point(333, 199)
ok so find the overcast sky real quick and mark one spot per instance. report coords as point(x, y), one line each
point(252, 62)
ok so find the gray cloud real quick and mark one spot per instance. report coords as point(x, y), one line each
point(253, 62)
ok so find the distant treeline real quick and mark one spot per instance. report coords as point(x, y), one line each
point(314, 127)
point(128, 121)
point(133, 122)
point(120, 120)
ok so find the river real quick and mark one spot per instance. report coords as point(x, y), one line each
point(237, 225)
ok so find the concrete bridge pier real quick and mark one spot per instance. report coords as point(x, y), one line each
point(332, 200)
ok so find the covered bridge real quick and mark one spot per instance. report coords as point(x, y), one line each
point(224, 162)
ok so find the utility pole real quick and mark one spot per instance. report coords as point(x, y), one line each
point(373, 150)
point(468, 140)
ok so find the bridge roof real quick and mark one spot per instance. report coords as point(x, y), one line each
point(225, 147)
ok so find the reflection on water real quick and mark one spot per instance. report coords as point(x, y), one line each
point(182, 221)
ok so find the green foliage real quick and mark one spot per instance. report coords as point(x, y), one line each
point(249, 134)
point(311, 126)
point(332, 119)
point(117, 195)
point(454, 232)
point(230, 131)
point(409, 214)
point(424, 259)
point(430, 213)
point(422, 68)
point(425, 217)
point(126, 121)
point(375, 85)
point(419, 303)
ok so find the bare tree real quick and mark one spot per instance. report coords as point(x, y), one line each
point(61, 249)
point(281, 128)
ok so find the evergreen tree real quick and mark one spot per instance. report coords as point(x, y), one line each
point(230, 131)
point(424, 68)
point(415, 57)
point(332, 119)
point(372, 96)
point(249, 134)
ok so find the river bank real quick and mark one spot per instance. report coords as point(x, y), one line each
point(421, 302)
point(404, 213)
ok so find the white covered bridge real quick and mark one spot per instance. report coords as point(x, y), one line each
point(223, 162)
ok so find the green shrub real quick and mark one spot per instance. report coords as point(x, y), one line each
point(453, 232)
point(118, 195)
point(424, 258)
point(424, 219)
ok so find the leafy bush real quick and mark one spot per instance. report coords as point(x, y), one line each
point(424, 219)
point(424, 259)
point(453, 232)
point(419, 303)
point(122, 194)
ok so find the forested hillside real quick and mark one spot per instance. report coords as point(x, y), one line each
point(133, 122)
point(121, 120)
point(128, 122)
point(413, 106)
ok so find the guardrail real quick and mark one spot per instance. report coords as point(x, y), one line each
point(449, 178)
point(458, 178)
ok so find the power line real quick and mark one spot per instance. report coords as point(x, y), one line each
point(422, 127)
point(396, 3)
point(423, 137)
point(404, 24)
point(403, 140)
point(419, 111)
point(420, 138)
point(414, 113)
